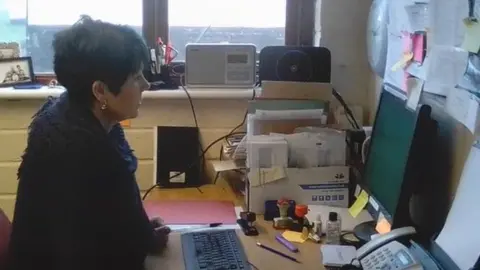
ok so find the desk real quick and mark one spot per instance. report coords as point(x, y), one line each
point(309, 255)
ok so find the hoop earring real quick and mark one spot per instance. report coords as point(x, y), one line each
point(104, 106)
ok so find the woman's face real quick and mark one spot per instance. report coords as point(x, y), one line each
point(125, 104)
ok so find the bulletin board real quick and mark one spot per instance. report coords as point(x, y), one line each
point(433, 46)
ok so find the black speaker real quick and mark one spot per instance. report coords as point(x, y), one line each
point(178, 151)
point(300, 64)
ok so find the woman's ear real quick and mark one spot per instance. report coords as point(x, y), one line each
point(99, 90)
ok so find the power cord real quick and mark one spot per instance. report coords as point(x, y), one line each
point(235, 129)
point(348, 112)
point(202, 157)
point(195, 162)
point(253, 265)
point(190, 100)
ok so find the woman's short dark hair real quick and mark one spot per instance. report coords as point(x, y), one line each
point(92, 50)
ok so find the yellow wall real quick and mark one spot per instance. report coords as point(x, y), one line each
point(216, 118)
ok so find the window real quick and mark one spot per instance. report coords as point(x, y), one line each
point(33, 23)
point(261, 22)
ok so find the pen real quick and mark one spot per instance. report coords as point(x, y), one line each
point(286, 243)
point(277, 252)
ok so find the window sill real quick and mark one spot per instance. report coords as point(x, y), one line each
point(45, 92)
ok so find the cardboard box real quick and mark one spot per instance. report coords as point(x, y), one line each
point(297, 90)
point(317, 186)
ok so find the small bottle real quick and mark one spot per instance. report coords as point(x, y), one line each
point(318, 226)
point(333, 229)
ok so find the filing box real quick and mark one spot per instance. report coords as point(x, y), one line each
point(314, 186)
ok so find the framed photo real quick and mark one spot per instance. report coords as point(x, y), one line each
point(9, 50)
point(16, 71)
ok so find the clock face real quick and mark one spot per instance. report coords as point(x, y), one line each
point(377, 41)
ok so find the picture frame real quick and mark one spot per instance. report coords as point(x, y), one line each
point(16, 71)
point(9, 50)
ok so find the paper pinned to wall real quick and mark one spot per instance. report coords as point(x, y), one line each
point(398, 17)
point(394, 54)
point(463, 106)
point(418, 16)
point(471, 41)
point(471, 79)
point(418, 70)
point(446, 66)
point(446, 22)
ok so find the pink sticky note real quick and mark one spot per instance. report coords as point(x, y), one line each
point(418, 44)
point(407, 42)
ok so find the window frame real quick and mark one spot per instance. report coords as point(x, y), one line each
point(299, 24)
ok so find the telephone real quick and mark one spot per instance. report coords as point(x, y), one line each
point(385, 253)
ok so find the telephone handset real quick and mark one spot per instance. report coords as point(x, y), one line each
point(384, 253)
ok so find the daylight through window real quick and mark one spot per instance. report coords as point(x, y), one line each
point(33, 23)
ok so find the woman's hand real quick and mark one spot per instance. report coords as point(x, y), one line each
point(161, 234)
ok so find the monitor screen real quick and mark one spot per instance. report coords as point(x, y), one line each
point(392, 135)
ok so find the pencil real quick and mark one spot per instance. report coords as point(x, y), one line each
point(277, 252)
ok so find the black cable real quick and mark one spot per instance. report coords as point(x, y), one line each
point(201, 158)
point(220, 157)
point(195, 162)
point(244, 117)
point(190, 100)
point(348, 112)
point(253, 265)
point(232, 131)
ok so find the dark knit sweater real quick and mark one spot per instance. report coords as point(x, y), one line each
point(78, 204)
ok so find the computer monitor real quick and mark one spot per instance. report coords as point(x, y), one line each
point(393, 167)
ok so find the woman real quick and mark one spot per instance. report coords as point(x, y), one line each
point(78, 205)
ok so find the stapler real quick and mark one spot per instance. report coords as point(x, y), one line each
point(246, 221)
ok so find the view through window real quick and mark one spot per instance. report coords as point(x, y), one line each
point(33, 23)
point(261, 22)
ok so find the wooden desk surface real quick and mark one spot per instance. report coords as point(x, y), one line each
point(309, 253)
point(172, 259)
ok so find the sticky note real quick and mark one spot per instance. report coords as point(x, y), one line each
point(471, 40)
point(383, 226)
point(406, 58)
point(414, 89)
point(125, 123)
point(358, 189)
point(359, 204)
point(418, 47)
point(295, 237)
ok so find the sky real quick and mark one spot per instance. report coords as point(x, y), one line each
point(215, 13)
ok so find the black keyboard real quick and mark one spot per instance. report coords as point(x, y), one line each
point(213, 250)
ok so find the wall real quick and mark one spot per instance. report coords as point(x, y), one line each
point(341, 26)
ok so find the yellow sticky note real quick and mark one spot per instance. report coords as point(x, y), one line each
point(471, 41)
point(125, 123)
point(383, 226)
point(359, 204)
point(407, 57)
point(295, 237)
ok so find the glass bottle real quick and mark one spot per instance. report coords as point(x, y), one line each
point(333, 229)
